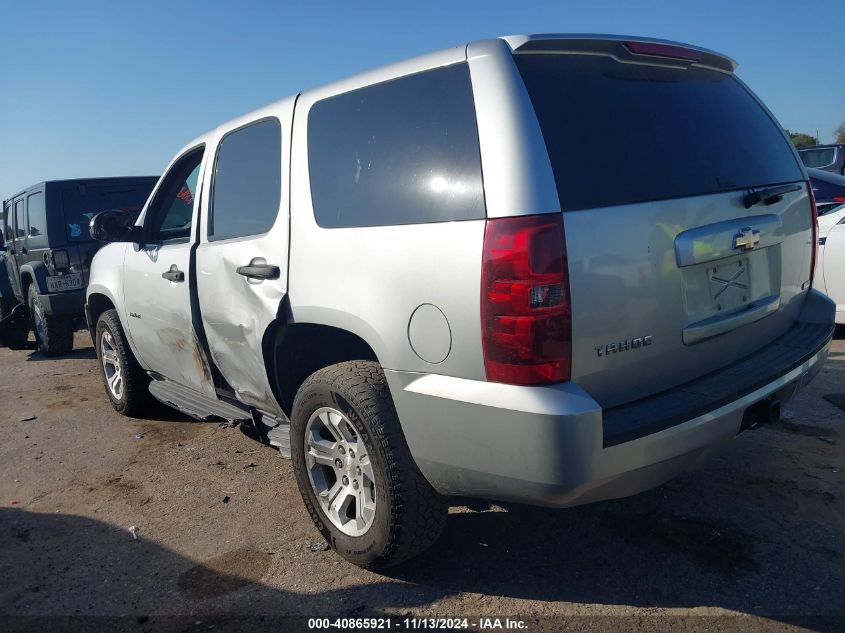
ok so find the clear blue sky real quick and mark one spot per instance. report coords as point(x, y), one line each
point(116, 88)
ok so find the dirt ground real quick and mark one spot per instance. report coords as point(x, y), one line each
point(221, 530)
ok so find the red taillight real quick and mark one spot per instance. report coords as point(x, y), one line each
point(525, 305)
point(815, 219)
point(839, 198)
point(663, 50)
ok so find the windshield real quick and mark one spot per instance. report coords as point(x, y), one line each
point(621, 133)
point(81, 203)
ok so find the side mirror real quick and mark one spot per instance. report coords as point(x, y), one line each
point(114, 226)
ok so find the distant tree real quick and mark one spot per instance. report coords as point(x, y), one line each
point(840, 133)
point(799, 139)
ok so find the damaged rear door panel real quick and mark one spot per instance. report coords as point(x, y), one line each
point(242, 256)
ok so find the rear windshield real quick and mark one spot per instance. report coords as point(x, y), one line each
point(621, 133)
point(818, 157)
point(82, 202)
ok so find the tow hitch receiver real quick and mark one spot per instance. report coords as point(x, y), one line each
point(764, 412)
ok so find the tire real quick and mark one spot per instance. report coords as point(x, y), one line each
point(406, 515)
point(15, 333)
point(53, 332)
point(132, 398)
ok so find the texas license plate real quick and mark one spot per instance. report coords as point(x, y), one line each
point(65, 282)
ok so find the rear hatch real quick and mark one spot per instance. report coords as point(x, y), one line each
point(83, 200)
point(676, 268)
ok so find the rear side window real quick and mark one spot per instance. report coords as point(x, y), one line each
point(621, 133)
point(400, 152)
point(247, 181)
point(818, 157)
point(37, 215)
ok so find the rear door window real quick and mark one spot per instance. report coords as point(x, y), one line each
point(621, 133)
point(247, 181)
point(400, 152)
point(37, 216)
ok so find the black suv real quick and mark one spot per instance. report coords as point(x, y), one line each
point(48, 251)
point(826, 157)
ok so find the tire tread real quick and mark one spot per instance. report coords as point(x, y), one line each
point(418, 514)
point(137, 398)
point(58, 329)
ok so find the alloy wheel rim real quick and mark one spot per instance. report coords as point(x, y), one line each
point(111, 365)
point(340, 471)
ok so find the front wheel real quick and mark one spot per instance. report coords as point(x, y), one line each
point(355, 472)
point(126, 382)
point(53, 332)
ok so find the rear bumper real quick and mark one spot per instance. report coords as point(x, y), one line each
point(71, 302)
point(548, 446)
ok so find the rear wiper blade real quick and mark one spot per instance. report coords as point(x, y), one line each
point(769, 195)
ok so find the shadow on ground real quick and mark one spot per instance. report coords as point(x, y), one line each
point(60, 565)
point(760, 531)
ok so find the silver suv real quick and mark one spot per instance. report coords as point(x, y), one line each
point(548, 269)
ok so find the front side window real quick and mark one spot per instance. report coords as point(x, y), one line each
point(20, 222)
point(247, 181)
point(4, 224)
point(171, 211)
point(400, 152)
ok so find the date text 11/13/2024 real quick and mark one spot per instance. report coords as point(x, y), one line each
point(431, 624)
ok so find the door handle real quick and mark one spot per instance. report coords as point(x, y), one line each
point(174, 274)
point(259, 269)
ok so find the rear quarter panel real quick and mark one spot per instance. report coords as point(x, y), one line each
point(369, 280)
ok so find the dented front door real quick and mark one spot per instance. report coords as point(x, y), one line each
point(242, 256)
point(157, 280)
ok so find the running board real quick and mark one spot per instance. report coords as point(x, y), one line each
point(274, 430)
point(195, 404)
point(280, 438)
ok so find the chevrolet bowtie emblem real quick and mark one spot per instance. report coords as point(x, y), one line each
point(747, 239)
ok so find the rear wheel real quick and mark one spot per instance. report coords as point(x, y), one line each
point(14, 332)
point(53, 332)
point(126, 382)
point(354, 469)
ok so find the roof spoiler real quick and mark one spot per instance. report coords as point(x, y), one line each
point(624, 48)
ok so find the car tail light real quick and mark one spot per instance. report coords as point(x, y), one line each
point(839, 198)
point(525, 304)
point(815, 217)
point(663, 50)
point(60, 258)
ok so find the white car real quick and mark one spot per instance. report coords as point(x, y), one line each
point(830, 268)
